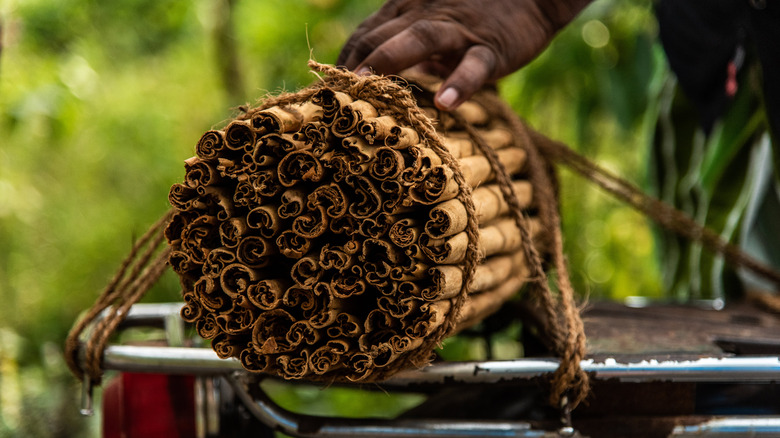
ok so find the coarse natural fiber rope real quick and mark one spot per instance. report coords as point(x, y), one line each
point(569, 376)
point(657, 210)
point(564, 330)
point(764, 300)
point(124, 290)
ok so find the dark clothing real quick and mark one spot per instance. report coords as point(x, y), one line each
point(726, 178)
point(701, 38)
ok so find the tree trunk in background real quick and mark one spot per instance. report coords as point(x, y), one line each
point(226, 51)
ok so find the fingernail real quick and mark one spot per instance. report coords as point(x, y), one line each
point(364, 71)
point(448, 97)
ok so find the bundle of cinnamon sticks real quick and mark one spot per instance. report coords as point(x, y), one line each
point(324, 239)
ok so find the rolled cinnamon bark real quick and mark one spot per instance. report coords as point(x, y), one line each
point(257, 363)
point(329, 357)
point(460, 144)
point(307, 271)
point(269, 335)
point(232, 230)
point(302, 333)
point(237, 324)
point(304, 300)
point(200, 174)
point(486, 303)
point(366, 199)
point(285, 119)
point(184, 198)
point(474, 113)
point(438, 184)
point(375, 129)
point(181, 263)
point(266, 294)
point(311, 224)
point(402, 137)
point(299, 166)
point(448, 279)
point(336, 257)
point(350, 115)
point(210, 145)
point(500, 237)
point(255, 251)
point(345, 285)
point(388, 165)
point(192, 309)
point(449, 217)
point(375, 228)
point(422, 161)
point(405, 232)
point(207, 326)
point(360, 151)
point(236, 278)
point(294, 367)
point(331, 197)
point(216, 260)
point(293, 203)
point(433, 315)
point(331, 103)
point(315, 135)
point(265, 219)
point(239, 136)
point(324, 238)
point(200, 236)
point(345, 325)
point(292, 245)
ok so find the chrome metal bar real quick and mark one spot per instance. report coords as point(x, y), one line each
point(736, 427)
point(731, 369)
point(290, 423)
point(154, 314)
point(171, 360)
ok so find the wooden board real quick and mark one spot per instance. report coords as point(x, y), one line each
point(674, 330)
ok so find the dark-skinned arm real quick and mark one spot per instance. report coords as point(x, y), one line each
point(467, 42)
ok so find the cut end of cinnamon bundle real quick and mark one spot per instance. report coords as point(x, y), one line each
point(322, 237)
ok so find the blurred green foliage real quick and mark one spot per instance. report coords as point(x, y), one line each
point(596, 89)
point(101, 101)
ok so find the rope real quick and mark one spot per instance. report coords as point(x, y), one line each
point(564, 328)
point(763, 300)
point(123, 291)
point(659, 211)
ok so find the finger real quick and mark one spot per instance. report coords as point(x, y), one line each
point(413, 45)
point(476, 67)
point(369, 41)
point(387, 12)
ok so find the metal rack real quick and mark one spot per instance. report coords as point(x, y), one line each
point(174, 358)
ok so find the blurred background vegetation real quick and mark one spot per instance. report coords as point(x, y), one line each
point(101, 101)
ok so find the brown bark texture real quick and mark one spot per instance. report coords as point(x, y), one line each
point(324, 240)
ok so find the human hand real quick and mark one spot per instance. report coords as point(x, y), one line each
point(468, 42)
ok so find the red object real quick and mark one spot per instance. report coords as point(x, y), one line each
point(731, 80)
point(137, 405)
